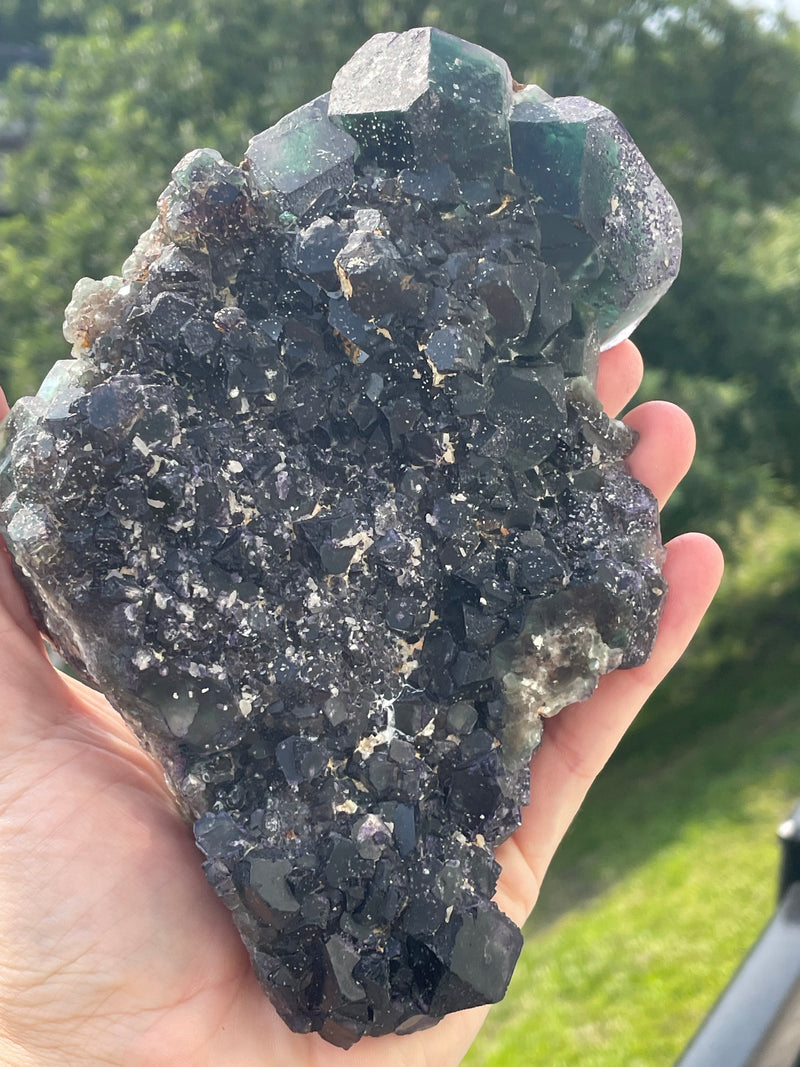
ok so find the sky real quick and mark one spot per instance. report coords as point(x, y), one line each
point(791, 7)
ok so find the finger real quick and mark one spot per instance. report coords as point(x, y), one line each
point(578, 742)
point(619, 376)
point(33, 693)
point(90, 704)
point(665, 449)
point(33, 698)
point(14, 609)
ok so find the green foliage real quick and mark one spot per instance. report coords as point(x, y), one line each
point(20, 22)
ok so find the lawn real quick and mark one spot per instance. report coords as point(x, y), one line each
point(669, 872)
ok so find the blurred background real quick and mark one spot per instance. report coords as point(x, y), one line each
point(669, 872)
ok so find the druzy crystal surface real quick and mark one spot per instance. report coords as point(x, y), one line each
point(326, 503)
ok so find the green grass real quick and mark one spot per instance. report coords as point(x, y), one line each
point(669, 872)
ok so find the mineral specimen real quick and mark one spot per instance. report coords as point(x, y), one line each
point(326, 503)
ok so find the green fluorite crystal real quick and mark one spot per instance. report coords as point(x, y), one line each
point(608, 222)
point(301, 156)
point(400, 93)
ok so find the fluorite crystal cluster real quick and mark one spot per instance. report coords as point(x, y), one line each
point(326, 503)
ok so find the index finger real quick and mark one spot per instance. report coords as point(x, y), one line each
point(619, 376)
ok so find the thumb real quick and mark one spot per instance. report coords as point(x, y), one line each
point(14, 610)
point(26, 674)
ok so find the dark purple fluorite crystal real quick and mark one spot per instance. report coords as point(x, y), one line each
point(328, 507)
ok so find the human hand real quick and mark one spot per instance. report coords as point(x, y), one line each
point(114, 949)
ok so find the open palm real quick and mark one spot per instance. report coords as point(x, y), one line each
point(114, 950)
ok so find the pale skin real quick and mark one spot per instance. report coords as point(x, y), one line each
point(114, 950)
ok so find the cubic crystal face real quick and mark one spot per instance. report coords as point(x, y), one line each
point(605, 210)
point(327, 505)
point(301, 157)
point(422, 97)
